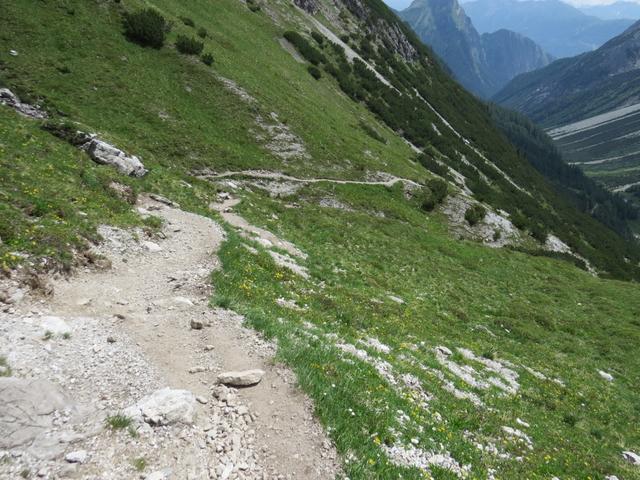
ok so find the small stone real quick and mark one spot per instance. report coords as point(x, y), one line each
point(444, 350)
point(159, 475)
point(79, 456)
point(197, 369)
point(151, 246)
point(208, 348)
point(197, 324)
point(607, 376)
point(13, 53)
point(241, 379)
point(111, 340)
point(631, 457)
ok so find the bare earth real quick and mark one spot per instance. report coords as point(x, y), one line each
point(129, 334)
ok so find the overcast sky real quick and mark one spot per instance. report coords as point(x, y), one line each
point(402, 4)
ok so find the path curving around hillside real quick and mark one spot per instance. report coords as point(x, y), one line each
point(108, 339)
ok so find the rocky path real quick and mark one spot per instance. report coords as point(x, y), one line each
point(386, 179)
point(111, 340)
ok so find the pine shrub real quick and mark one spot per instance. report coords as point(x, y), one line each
point(146, 27)
point(474, 214)
point(207, 59)
point(314, 71)
point(189, 45)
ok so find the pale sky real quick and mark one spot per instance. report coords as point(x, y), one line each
point(402, 4)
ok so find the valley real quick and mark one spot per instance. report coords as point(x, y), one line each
point(328, 261)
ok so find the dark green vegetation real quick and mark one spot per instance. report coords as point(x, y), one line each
point(403, 109)
point(587, 103)
point(568, 180)
point(176, 114)
point(146, 27)
point(482, 63)
point(189, 45)
point(475, 214)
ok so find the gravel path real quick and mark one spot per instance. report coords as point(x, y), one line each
point(386, 179)
point(107, 340)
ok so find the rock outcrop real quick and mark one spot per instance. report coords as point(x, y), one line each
point(105, 154)
point(164, 407)
point(10, 99)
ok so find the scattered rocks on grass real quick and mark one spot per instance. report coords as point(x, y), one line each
point(105, 154)
point(10, 99)
point(631, 457)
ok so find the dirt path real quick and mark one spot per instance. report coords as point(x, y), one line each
point(389, 180)
point(147, 301)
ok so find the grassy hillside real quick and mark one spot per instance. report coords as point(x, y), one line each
point(380, 267)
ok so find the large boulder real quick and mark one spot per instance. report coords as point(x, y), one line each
point(106, 154)
point(10, 99)
point(28, 412)
point(164, 407)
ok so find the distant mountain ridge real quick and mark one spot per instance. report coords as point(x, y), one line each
point(559, 28)
point(613, 11)
point(574, 88)
point(591, 103)
point(481, 63)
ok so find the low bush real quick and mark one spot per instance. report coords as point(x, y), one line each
point(307, 50)
point(433, 193)
point(207, 59)
point(188, 21)
point(189, 45)
point(474, 214)
point(253, 5)
point(318, 37)
point(314, 71)
point(146, 27)
point(202, 32)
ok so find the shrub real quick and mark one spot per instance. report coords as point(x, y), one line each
point(439, 188)
point(432, 165)
point(305, 48)
point(146, 27)
point(433, 194)
point(474, 214)
point(207, 59)
point(318, 37)
point(188, 21)
point(314, 71)
point(202, 32)
point(253, 5)
point(189, 45)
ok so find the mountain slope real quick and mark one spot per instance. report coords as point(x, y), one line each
point(559, 28)
point(588, 102)
point(483, 64)
point(425, 354)
point(615, 10)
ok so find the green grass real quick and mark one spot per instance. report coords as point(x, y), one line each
point(454, 294)
point(139, 464)
point(174, 113)
point(5, 368)
point(118, 421)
